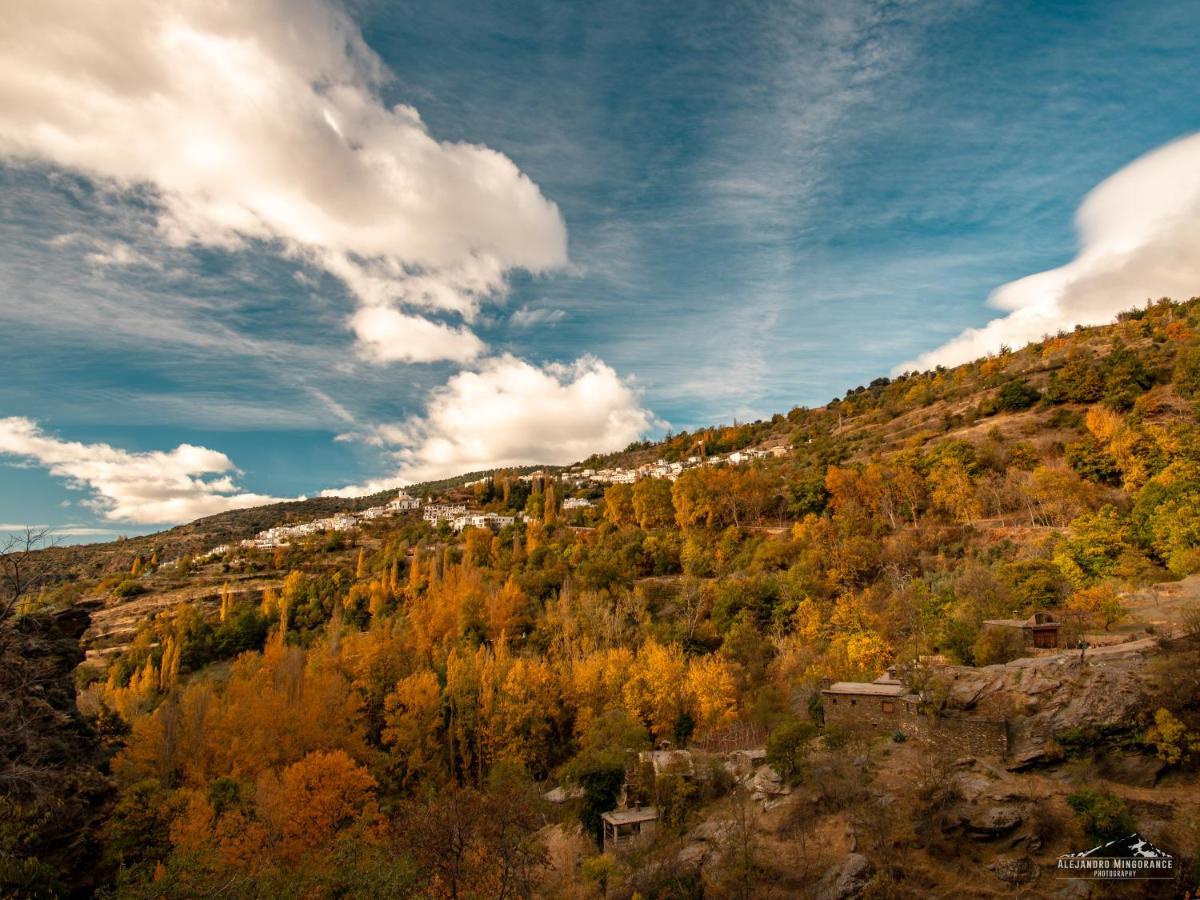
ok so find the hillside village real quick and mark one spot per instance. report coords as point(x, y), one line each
point(939, 633)
point(459, 516)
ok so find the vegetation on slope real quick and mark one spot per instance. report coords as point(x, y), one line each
point(371, 712)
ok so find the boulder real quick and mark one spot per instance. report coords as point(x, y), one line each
point(1015, 869)
point(992, 821)
point(846, 880)
point(970, 786)
point(1135, 769)
point(768, 783)
point(693, 854)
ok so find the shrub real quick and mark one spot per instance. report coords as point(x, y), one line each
point(1102, 814)
point(1093, 462)
point(129, 588)
point(1016, 396)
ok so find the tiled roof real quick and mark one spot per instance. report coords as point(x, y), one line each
point(869, 688)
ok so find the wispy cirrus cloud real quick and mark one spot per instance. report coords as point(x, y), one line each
point(249, 132)
point(528, 317)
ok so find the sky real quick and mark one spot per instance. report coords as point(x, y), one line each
point(273, 248)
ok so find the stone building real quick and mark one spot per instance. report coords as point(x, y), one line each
point(885, 705)
point(876, 704)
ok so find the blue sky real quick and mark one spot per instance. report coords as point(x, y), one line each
point(713, 211)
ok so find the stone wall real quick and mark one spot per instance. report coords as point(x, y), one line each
point(964, 735)
point(884, 714)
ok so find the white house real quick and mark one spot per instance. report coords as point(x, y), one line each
point(481, 520)
point(403, 502)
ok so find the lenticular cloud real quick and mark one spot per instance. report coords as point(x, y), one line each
point(249, 131)
point(1139, 232)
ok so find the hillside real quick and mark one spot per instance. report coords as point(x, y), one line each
point(969, 595)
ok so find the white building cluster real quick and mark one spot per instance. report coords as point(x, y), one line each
point(669, 470)
point(459, 517)
point(437, 513)
point(283, 535)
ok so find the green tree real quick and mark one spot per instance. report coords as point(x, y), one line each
point(1102, 814)
point(788, 746)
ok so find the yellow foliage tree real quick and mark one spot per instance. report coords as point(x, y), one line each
point(713, 688)
point(656, 691)
point(412, 715)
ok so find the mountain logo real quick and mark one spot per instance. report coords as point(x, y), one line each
point(1130, 857)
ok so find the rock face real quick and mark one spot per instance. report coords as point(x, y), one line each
point(1055, 693)
point(48, 755)
point(846, 880)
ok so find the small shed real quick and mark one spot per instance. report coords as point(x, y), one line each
point(1039, 630)
point(624, 827)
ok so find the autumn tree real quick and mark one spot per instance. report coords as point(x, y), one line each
point(618, 504)
point(412, 719)
point(651, 502)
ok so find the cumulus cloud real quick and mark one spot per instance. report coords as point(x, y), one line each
point(509, 412)
point(1139, 233)
point(246, 129)
point(146, 487)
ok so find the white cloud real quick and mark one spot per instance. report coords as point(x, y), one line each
point(391, 336)
point(261, 120)
point(1139, 234)
point(510, 412)
point(146, 487)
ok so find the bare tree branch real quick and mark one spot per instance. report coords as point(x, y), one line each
point(22, 568)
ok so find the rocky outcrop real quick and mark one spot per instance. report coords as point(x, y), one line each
point(846, 880)
point(768, 784)
point(1045, 696)
point(990, 822)
point(52, 794)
